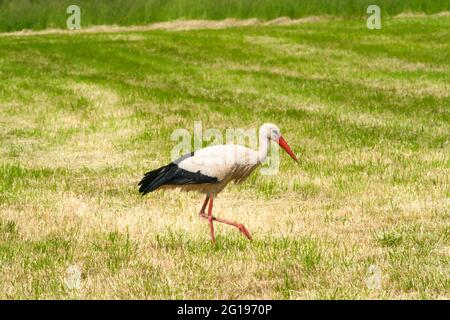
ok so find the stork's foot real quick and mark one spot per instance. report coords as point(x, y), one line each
point(242, 229)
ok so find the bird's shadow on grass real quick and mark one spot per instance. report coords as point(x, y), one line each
point(229, 243)
point(173, 241)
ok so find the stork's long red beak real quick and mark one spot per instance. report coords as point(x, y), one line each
point(286, 147)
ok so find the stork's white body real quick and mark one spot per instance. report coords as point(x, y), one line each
point(227, 163)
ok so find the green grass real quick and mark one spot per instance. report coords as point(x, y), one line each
point(40, 14)
point(82, 116)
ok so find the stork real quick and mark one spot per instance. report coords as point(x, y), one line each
point(210, 169)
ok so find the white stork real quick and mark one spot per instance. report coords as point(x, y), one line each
point(210, 169)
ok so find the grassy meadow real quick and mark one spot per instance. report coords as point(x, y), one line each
point(84, 115)
point(41, 14)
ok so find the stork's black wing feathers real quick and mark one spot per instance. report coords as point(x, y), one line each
point(171, 175)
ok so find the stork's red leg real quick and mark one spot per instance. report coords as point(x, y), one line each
point(210, 219)
point(240, 226)
point(202, 210)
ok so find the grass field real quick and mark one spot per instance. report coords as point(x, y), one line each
point(40, 14)
point(83, 116)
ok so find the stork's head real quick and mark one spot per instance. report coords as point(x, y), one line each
point(272, 132)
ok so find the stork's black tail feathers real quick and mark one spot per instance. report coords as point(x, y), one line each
point(152, 180)
point(171, 175)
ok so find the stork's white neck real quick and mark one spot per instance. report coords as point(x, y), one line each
point(264, 144)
